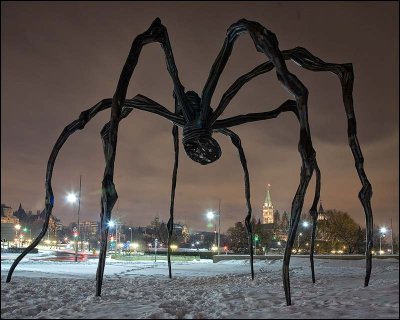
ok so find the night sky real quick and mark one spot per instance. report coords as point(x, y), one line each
point(61, 58)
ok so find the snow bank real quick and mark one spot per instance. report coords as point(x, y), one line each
point(46, 289)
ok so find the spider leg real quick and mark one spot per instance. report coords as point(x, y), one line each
point(156, 33)
point(146, 104)
point(314, 215)
point(305, 59)
point(139, 102)
point(291, 106)
point(77, 124)
point(170, 224)
point(345, 73)
point(236, 86)
point(237, 143)
point(266, 42)
point(288, 105)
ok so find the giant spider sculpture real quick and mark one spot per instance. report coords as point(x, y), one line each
point(199, 121)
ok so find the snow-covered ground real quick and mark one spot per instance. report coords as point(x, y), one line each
point(48, 289)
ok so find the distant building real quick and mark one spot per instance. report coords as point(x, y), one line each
point(321, 212)
point(268, 209)
point(8, 223)
point(31, 222)
point(89, 228)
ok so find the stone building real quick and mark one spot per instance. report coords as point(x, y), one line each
point(268, 209)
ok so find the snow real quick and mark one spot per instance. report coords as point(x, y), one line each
point(198, 289)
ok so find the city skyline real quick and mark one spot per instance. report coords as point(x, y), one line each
point(59, 59)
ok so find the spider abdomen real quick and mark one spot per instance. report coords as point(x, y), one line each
point(199, 145)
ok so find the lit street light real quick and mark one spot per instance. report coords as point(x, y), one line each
point(72, 198)
point(211, 215)
point(17, 228)
point(131, 233)
point(155, 249)
point(382, 235)
point(30, 232)
point(298, 241)
point(111, 224)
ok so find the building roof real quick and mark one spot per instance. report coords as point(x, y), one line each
point(321, 209)
point(268, 202)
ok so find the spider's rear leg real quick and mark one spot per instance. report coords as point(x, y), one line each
point(237, 143)
point(314, 216)
point(266, 42)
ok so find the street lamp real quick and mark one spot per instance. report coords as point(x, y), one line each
point(210, 216)
point(305, 224)
point(17, 228)
point(131, 233)
point(255, 243)
point(72, 198)
point(155, 249)
point(111, 224)
point(382, 235)
point(298, 241)
point(30, 232)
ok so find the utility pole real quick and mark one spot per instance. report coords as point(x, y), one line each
point(391, 233)
point(219, 225)
point(79, 209)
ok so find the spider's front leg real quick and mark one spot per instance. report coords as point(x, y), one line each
point(266, 42)
point(77, 124)
point(138, 102)
point(156, 33)
point(305, 59)
point(237, 143)
point(170, 224)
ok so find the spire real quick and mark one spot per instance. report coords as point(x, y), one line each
point(320, 210)
point(268, 202)
point(20, 207)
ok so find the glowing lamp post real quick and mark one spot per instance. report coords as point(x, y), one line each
point(298, 242)
point(382, 235)
point(131, 233)
point(112, 224)
point(211, 215)
point(17, 228)
point(30, 232)
point(72, 198)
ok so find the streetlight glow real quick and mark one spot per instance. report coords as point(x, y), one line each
point(210, 215)
point(305, 224)
point(383, 230)
point(111, 224)
point(72, 198)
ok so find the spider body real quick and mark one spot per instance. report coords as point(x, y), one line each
point(199, 121)
point(197, 135)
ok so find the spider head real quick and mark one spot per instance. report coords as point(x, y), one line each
point(199, 145)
